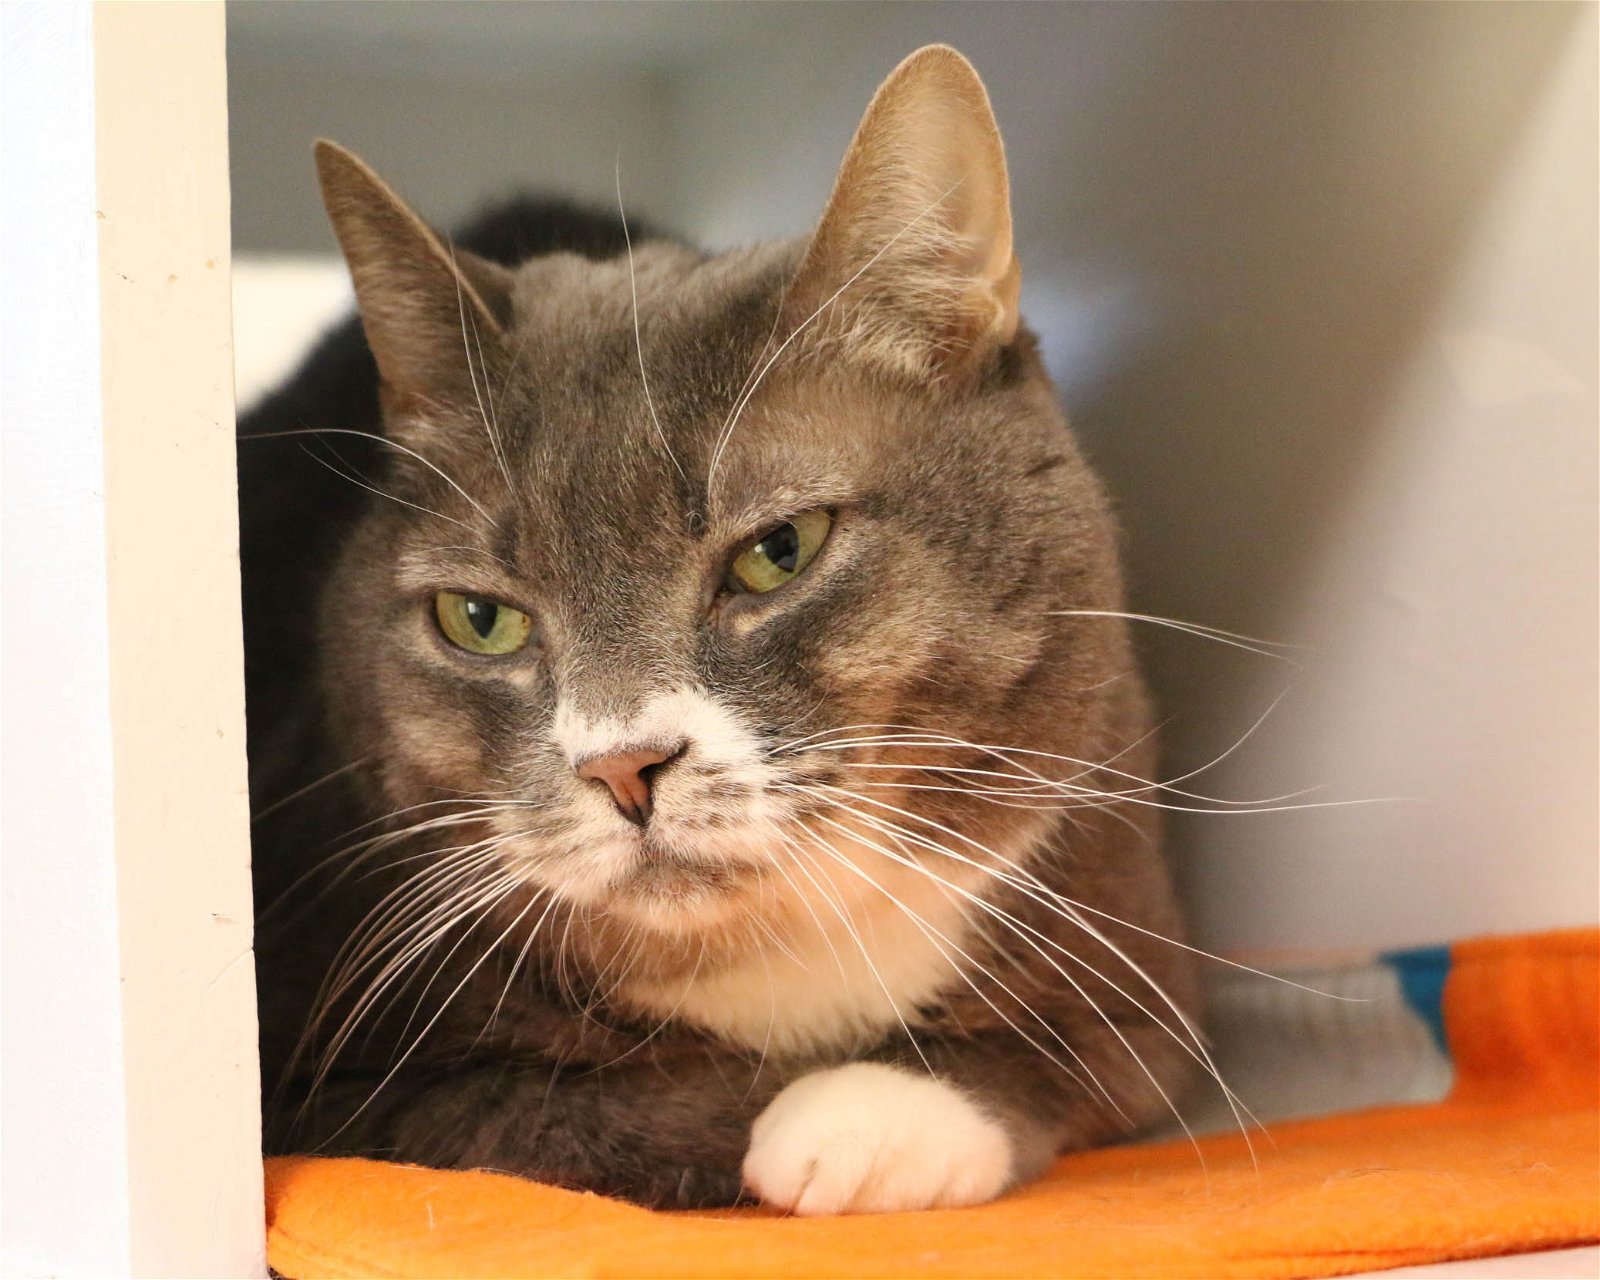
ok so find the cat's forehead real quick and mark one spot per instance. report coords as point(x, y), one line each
point(683, 298)
point(626, 375)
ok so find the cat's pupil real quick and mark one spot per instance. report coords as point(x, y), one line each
point(481, 614)
point(782, 547)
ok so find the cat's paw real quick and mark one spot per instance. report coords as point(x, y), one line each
point(869, 1138)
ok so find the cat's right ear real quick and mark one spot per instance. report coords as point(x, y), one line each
point(434, 315)
point(912, 263)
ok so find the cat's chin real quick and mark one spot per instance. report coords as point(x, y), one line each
point(676, 894)
point(667, 889)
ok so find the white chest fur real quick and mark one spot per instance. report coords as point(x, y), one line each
point(827, 986)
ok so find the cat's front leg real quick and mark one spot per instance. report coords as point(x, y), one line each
point(871, 1137)
point(665, 1134)
point(957, 1123)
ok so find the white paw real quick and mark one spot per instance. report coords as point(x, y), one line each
point(868, 1138)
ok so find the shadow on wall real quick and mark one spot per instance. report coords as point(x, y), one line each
point(1298, 222)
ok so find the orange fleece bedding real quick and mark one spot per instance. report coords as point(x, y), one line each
point(1509, 1162)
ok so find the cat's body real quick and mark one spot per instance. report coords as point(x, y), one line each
point(663, 882)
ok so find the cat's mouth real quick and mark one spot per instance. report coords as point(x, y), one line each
point(666, 877)
point(660, 867)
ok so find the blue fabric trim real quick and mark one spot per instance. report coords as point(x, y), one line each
point(1422, 971)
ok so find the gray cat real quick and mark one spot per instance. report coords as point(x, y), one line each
point(699, 755)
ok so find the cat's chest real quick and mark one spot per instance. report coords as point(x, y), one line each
point(830, 984)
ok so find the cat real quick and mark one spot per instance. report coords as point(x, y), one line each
point(696, 754)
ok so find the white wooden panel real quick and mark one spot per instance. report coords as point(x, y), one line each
point(132, 1124)
point(177, 695)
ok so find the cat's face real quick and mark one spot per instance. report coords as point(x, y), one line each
point(760, 546)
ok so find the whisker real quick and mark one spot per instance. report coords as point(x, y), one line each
point(738, 407)
point(866, 956)
point(371, 488)
point(1198, 1050)
point(638, 342)
point(372, 940)
point(1028, 885)
point(388, 923)
point(488, 423)
point(1082, 906)
point(1262, 648)
point(925, 927)
point(1015, 925)
point(421, 1035)
point(928, 739)
point(393, 444)
point(533, 933)
point(356, 854)
point(307, 789)
point(405, 914)
point(1037, 796)
point(666, 1020)
point(445, 868)
point(827, 938)
point(410, 927)
point(470, 899)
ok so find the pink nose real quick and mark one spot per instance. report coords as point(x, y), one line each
point(627, 773)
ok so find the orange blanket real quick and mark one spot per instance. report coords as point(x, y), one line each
point(1509, 1162)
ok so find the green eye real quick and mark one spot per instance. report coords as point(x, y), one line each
point(481, 626)
point(780, 554)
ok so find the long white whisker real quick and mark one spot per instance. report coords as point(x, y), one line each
point(326, 778)
point(1170, 784)
point(933, 741)
point(393, 444)
point(444, 869)
point(393, 917)
point(405, 929)
point(1083, 906)
point(397, 965)
point(866, 956)
point(372, 488)
point(1196, 1050)
point(805, 901)
point(738, 407)
point(1022, 930)
point(666, 1019)
point(1262, 648)
point(1017, 926)
point(356, 855)
point(516, 965)
point(1036, 795)
point(488, 423)
point(421, 1035)
point(929, 930)
point(638, 341)
point(381, 919)
point(450, 910)
point(412, 931)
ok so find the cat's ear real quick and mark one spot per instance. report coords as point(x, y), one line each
point(913, 258)
point(433, 314)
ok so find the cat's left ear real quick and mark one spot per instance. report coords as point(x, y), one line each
point(433, 314)
point(912, 262)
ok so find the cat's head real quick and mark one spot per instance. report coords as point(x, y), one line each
point(715, 581)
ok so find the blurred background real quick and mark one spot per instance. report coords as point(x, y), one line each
point(1318, 287)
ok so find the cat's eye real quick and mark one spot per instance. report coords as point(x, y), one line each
point(481, 626)
point(780, 554)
